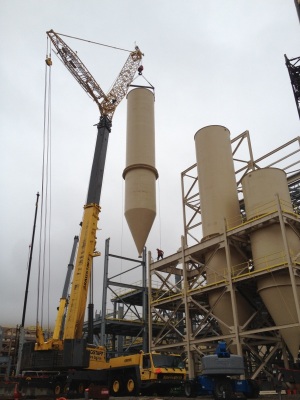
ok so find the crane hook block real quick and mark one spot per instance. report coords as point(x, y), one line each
point(48, 61)
point(140, 69)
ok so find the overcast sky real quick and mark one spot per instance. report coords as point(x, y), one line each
point(211, 62)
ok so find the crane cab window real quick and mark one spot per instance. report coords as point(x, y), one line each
point(146, 361)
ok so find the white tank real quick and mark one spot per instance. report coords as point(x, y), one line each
point(260, 188)
point(219, 202)
point(140, 173)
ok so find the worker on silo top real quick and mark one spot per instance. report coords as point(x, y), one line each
point(160, 254)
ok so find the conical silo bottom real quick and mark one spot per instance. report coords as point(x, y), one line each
point(222, 309)
point(277, 295)
point(269, 250)
point(220, 301)
point(140, 221)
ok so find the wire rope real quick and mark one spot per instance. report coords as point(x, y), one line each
point(45, 213)
point(49, 181)
point(46, 227)
point(142, 76)
point(42, 196)
point(90, 41)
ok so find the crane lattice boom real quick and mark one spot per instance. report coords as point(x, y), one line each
point(107, 103)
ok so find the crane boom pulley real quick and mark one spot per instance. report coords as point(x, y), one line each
point(107, 103)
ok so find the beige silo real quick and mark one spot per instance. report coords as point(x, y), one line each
point(219, 206)
point(261, 188)
point(218, 192)
point(140, 173)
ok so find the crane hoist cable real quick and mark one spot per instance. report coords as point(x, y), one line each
point(45, 210)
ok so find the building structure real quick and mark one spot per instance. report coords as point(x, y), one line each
point(189, 317)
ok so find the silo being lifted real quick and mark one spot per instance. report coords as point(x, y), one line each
point(219, 203)
point(140, 173)
point(260, 188)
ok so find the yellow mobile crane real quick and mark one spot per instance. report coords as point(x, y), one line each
point(107, 105)
point(69, 362)
point(67, 349)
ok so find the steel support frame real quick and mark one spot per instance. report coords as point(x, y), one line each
point(259, 337)
point(109, 283)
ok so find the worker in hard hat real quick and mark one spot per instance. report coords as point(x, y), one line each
point(160, 254)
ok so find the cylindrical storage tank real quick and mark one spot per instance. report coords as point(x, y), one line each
point(218, 191)
point(260, 188)
point(140, 173)
point(219, 203)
